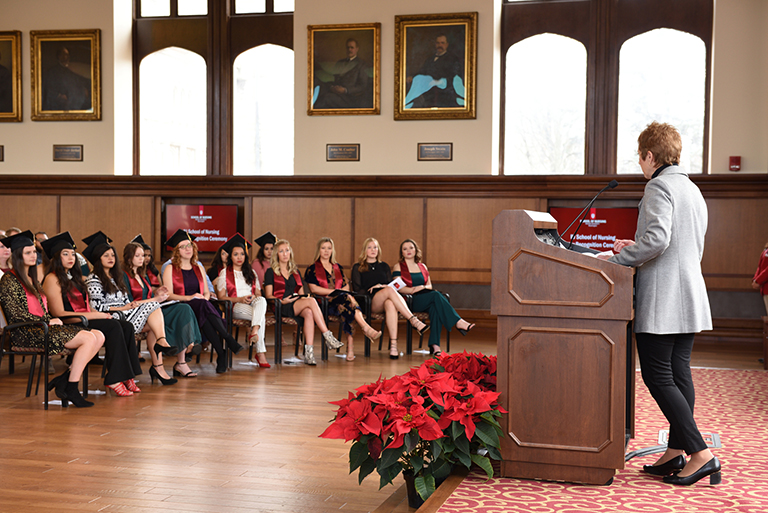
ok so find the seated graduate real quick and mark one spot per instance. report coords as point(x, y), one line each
point(5, 257)
point(22, 300)
point(67, 294)
point(184, 279)
point(108, 293)
point(239, 284)
point(219, 262)
point(152, 274)
point(325, 278)
point(417, 282)
point(371, 276)
point(180, 323)
point(282, 281)
point(263, 258)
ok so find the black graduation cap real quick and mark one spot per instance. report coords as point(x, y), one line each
point(57, 243)
point(140, 240)
point(267, 238)
point(93, 237)
point(20, 240)
point(235, 241)
point(177, 237)
point(98, 246)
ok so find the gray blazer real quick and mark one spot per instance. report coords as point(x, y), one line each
point(669, 243)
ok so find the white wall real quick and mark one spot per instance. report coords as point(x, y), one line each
point(739, 124)
point(388, 147)
point(29, 144)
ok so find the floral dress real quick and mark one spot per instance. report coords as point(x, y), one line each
point(101, 301)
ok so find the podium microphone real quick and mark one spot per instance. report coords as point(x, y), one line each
point(611, 185)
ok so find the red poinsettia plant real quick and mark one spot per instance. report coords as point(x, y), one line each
point(442, 413)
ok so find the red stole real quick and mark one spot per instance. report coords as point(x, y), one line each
point(154, 280)
point(78, 301)
point(322, 276)
point(405, 274)
point(232, 287)
point(37, 306)
point(278, 288)
point(178, 281)
point(137, 289)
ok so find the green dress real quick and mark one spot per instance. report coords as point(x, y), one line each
point(440, 311)
point(13, 299)
point(181, 327)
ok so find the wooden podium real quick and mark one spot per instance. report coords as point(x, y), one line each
point(565, 354)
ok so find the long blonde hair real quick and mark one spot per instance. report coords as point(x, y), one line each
point(362, 260)
point(322, 241)
point(274, 262)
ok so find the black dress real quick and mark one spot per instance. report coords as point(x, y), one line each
point(340, 302)
point(378, 273)
point(286, 310)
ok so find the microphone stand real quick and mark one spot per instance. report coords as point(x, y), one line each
point(612, 185)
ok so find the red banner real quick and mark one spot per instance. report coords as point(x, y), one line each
point(601, 227)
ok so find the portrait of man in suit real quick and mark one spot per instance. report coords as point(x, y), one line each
point(6, 78)
point(66, 82)
point(435, 68)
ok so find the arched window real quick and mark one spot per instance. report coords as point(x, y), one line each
point(172, 99)
point(545, 111)
point(662, 77)
point(263, 111)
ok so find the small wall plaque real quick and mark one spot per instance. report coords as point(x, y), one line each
point(67, 152)
point(342, 152)
point(2, 153)
point(435, 151)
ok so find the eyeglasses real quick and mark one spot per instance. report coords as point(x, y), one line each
point(185, 246)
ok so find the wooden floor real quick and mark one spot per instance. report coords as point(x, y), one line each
point(245, 441)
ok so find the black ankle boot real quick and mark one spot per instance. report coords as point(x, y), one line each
point(72, 394)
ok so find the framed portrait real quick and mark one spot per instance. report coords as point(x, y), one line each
point(435, 66)
point(344, 69)
point(66, 75)
point(10, 76)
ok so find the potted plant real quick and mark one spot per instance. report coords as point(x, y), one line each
point(443, 413)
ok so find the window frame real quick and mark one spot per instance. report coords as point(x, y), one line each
point(603, 26)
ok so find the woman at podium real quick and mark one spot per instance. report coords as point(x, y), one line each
point(672, 304)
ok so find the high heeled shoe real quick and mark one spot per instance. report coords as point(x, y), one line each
point(415, 323)
point(166, 350)
point(233, 346)
point(59, 381)
point(435, 350)
point(132, 386)
point(263, 365)
point(466, 330)
point(331, 341)
point(309, 355)
point(394, 354)
point(70, 394)
point(154, 374)
point(372, 334)
point(119, 390)
point(710, 468)
point(665, 468)
point(190, 374)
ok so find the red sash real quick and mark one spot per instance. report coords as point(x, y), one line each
point(154, 280)
point(37, 306)
point(137, 289)
point(78, 301)
point(405, 274)
point(322, 276)
point(232, 287)
point(278, 288)
point(178, 281)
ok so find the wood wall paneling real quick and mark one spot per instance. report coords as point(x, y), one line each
point(390, 221)
point(460, 236)
point(304, 221)
point(36, 213)
point(120, 217)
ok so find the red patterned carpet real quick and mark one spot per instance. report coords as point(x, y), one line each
point(732, 403)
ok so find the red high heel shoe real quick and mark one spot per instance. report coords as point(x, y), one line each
point(120, 390)
point(131, 385)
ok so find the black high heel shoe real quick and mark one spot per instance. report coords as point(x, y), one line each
point(665, 468)
point(394, 354)
point(166, 350)
point(154, 374)
point(465, 331)
point(70, 393)
point(413, 320)
point(710, 468)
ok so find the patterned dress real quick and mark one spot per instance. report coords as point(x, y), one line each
point(13, 298)
point(340, 302)
point(102, 302)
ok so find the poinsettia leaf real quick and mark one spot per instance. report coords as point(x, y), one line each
point(425, 485)
point(437, 448)
point(448, 445)
point(441, 469)
point(464, 458)
point(494, 453)
point(388, 474)
point(462, 444)
point(417, 463)
point(432, 413)
point(438, 367)
point(366, 468)
point(412, 439)
point(358, 453)
point(364, 438)
point(488, 417)
point(389, 458)
point(484, 463)
point(487, 434)
point(457, 429)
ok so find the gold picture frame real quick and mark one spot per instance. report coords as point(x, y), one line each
point(435, 66)
point(344, 69)
point(10, 76)
point(66, 75)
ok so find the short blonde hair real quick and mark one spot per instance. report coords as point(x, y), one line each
point(663, 140)
point(322, 241)
point(274, 262)
point(362, 260)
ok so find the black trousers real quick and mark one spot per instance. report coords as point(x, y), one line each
point(216, 333)
point(665, 363)
point(121, 356)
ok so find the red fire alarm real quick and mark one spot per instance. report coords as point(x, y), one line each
point(734, 163)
